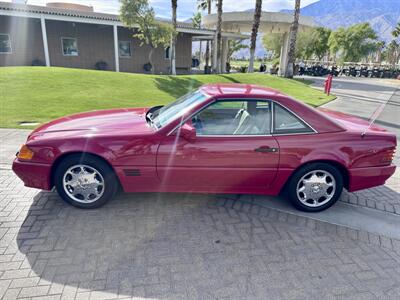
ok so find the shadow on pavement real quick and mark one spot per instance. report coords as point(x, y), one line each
point(181, 246)
point(146, 245)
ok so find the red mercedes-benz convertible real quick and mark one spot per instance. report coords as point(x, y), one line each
point(222, 138)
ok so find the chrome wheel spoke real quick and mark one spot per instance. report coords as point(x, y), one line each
point(316, 188)
point(83, 183)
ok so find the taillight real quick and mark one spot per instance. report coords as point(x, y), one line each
point(388, 155)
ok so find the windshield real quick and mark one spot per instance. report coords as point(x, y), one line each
point(177, 109)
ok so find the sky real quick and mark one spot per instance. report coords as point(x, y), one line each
point(186, 8)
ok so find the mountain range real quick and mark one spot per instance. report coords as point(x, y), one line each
point(383, 15)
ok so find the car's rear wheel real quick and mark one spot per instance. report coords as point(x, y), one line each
point(315, 187)
point(85, 181)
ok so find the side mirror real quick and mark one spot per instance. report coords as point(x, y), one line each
point(187, 131)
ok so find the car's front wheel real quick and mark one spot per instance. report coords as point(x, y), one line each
point(315, 187)
point(85, 181)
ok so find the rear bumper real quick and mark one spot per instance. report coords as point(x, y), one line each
point(364, 178)
point(33, 174)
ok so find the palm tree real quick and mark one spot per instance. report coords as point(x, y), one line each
point(196, 23)
point(393, 52)
point(254, 32)
point(396, 31)
point(196, 20)
point(206, 5)
point(235, 45)
point(174, 4)
point(379, 48)
point(219, 36)
point(292, 40)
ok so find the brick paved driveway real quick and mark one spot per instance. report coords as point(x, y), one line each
point(182, 247)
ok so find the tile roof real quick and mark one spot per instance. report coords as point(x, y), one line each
point(75, 13)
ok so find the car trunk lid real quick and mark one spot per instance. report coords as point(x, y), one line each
point(351, 122)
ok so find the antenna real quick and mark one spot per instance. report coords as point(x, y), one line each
point(376, 114)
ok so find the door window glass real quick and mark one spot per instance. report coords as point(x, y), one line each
point(239, 117)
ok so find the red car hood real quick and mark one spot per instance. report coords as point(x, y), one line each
point(350, 122)
point(100, 121)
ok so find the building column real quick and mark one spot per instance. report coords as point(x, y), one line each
point(116, 48)
point(224, 58)
point(45, 44)
point(215, 54)
point(284, 54)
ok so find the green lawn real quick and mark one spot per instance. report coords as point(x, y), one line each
point(39, 94)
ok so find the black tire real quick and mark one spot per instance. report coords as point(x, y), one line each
point(110, 181)
point(291, 190)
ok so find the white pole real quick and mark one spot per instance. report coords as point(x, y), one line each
point(45, 44)
point(224, 58)
point(200, 56)
point(116, 51)
point(215, 54)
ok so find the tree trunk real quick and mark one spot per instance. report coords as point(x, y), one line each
point(219, 37)
point(174, 4)
point(254, 32)
point(292, 41)
point(153, 69)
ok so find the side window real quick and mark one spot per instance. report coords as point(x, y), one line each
point(5, 43)
point(239, 117)
point(285, 122)
point(69, 46)
point(167, 52)
point(124, 48)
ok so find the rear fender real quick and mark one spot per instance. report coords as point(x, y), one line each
point(341, 158)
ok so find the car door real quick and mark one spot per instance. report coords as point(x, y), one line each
point(232, 151)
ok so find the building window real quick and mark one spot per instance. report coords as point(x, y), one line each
point(69, 46)
point(168, 53)
point(124, 49)
point(5, 43)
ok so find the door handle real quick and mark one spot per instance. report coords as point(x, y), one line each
point(266, 149)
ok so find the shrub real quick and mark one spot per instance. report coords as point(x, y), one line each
point(38, 63)
point(101, 65)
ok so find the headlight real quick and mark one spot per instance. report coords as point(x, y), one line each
point(25, 153)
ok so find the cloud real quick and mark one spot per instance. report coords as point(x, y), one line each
point(186, 8)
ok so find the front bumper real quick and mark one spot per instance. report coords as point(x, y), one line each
point(33, 175)
point(364, 178)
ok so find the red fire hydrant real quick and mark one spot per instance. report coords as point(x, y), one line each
point(328, 84)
